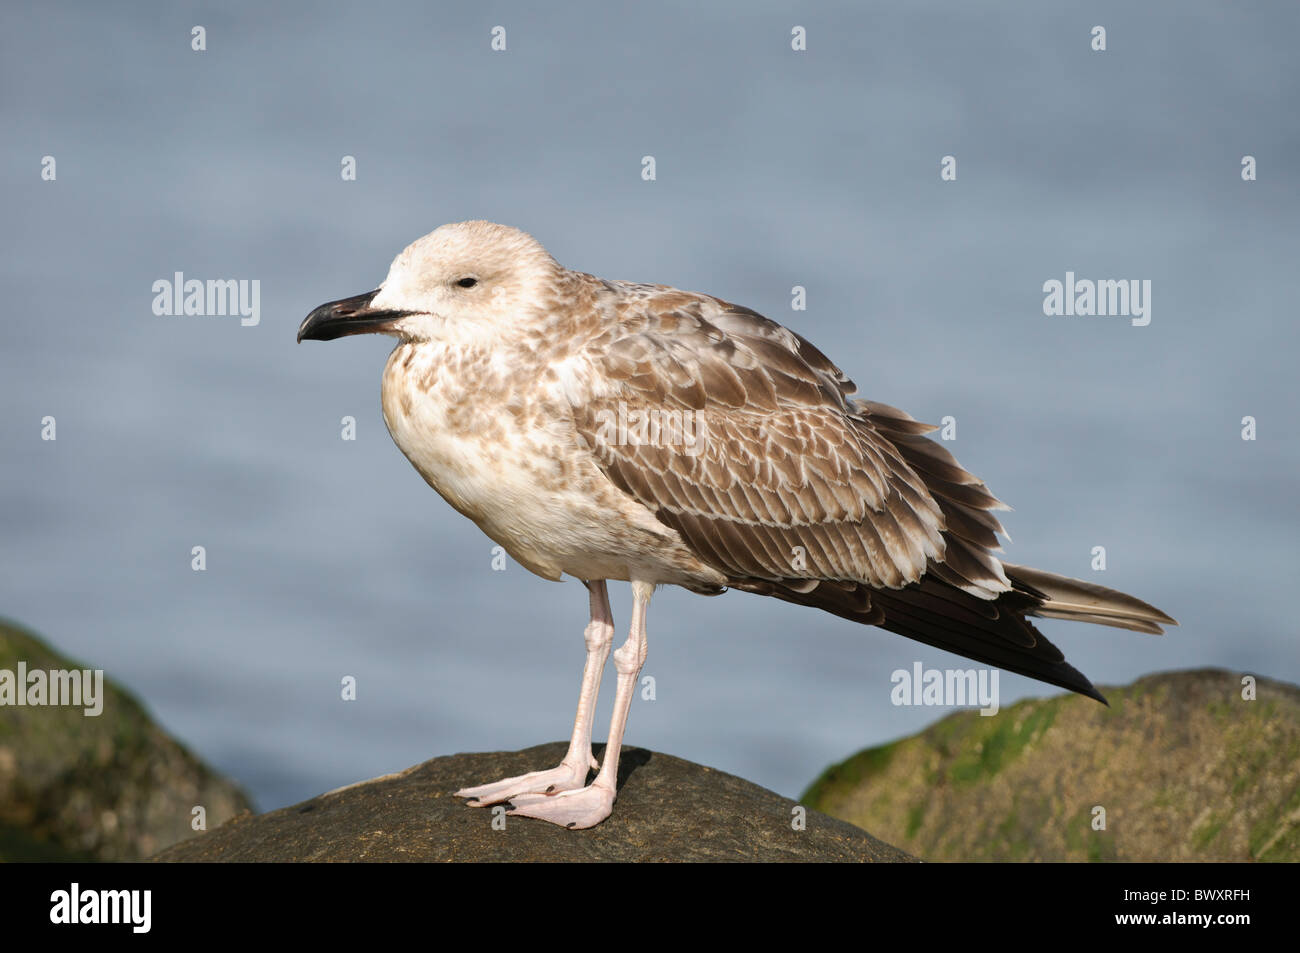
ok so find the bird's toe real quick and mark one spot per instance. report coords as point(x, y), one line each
point(577, 809)
point(564, 777)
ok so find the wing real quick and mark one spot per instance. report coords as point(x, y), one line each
point(775, 476)
point(741, 435)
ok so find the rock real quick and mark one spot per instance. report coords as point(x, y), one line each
point(114, 786)
point(1184, 768)
point(667, 810)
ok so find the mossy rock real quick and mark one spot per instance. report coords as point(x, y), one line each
point(1183, 767)
point(113, 786)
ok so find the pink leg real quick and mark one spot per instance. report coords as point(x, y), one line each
point(572, 771)
point(587, 807)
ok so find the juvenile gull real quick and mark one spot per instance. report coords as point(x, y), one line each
point(614, 430)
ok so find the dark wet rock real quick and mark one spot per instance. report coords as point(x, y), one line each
point(667, 810)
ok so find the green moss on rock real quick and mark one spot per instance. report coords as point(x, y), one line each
point(109, 787)
point(1022, 784)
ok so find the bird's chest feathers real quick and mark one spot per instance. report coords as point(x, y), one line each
point(460, 417)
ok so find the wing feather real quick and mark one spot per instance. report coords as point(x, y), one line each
point(783, 460)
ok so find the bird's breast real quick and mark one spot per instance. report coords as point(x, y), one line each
point(447, 410)
point(491, 445)
point(495, 437)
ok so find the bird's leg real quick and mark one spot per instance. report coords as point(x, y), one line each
point(588, 806)
point(572, 771)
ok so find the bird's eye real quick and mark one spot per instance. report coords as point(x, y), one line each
point(467, 282)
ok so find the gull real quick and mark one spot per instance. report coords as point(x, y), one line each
point(612, 430)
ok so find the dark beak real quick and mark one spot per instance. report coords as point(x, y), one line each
point(349, 316)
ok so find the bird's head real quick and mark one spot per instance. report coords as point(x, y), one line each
point(463, 281)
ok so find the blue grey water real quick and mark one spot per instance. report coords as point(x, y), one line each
point(774, 168)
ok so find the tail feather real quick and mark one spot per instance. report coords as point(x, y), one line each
point(948, 618)
point(1073, 615)
point(998, 632)
point(1079, 601)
